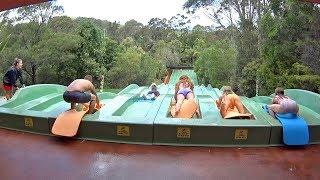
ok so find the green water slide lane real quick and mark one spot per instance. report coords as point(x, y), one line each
point(177, 73)
point(309, 103)
point(137, 107)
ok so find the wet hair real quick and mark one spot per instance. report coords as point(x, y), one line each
point(88, 77)
point(184, 77)
point(153, 85)
point(16, 61)
point(279, 91)
point(227, 90)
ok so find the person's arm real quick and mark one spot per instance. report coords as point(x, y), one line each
point(275, 100)
point(219, 101)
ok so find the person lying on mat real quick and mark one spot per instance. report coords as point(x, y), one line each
point(228, 101)
point(81, 91)
point(282, 103)
point(183, 91)
point(153, 93)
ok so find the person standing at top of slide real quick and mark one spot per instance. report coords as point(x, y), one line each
point(10, 78)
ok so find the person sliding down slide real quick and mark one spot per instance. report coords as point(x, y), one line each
point(295, 129)
point(152, 94)
point(229, 101)
point(184, 93)
point(282, 104)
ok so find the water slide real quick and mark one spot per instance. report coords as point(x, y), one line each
point(129, 119)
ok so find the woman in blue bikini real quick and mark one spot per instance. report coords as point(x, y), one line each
point(183, 90)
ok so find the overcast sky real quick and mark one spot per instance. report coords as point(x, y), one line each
point(125, 10)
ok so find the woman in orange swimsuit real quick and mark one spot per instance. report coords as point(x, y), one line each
point(228, 101)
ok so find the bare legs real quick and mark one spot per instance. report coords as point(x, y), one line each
point(276, 108)
point(92, 104)
point(8, 94)
point(73, 105)
point(190, 95)
point(181, 98)
point(273, 109)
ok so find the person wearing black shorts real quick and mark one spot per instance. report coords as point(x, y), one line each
point(81, 91)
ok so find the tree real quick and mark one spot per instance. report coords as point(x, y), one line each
point(25, 36)
point(168, 53)
point(5, 40)
point(159, 29)
point(250, 80)
point(62, 24)
point(216, 64)
point(126, 68)
point(40, 13)
point(245, 15)
point(283, 38)
point(89, 55)
point(179, 22)
point(57, 55)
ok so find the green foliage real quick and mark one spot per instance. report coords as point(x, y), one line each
point(283, 38)
point(134, 65)
point(4, 43)
point(168, 53)
point(307, 82)
point(247, 47)
point(249, 78)
point(216, 64)
point(56, 53)
point(62, 24)
point(126, 68)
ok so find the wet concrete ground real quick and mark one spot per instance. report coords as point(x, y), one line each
point(29, 156)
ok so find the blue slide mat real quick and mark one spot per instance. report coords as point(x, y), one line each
point(295, 128)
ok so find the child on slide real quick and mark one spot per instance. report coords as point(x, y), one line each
point(183, 91)
point(152, 94)
point(282, 104)
point(228, 101)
